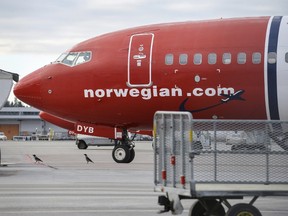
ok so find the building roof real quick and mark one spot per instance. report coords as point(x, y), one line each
point(19, 113)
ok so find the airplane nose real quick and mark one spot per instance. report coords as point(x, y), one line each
point(28, 89)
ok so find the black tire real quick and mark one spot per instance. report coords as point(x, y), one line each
point(121, 154)
point(243, 209)
point(82, 145)
point(215, 208)
point(132, 155)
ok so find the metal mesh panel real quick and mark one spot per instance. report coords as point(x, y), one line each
point(233, 167)
point(278, 168)
point(241, 151)
point(219, 151)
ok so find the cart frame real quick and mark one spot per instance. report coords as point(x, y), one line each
point(186, 167)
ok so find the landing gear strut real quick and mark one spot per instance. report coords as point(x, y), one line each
point(123, 151)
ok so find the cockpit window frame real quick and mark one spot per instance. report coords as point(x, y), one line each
point(63, 58)
point(85, 55)
point(70, 62)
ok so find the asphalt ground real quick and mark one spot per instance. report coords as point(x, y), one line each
point(66, 185)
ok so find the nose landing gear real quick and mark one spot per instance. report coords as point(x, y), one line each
point(123, 151)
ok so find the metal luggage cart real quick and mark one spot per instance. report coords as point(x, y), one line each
point(217, 160)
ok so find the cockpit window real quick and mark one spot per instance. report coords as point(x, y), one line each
point(70, 58)
point(61, 57)
point(83, 57)
point(74, 58)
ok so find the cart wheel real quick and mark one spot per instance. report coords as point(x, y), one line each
point(243, 209)
point(211, 207)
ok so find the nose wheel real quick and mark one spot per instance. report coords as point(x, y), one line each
point(124, 151)
point(123, 154)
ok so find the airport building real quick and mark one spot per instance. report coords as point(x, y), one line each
point(25, 123)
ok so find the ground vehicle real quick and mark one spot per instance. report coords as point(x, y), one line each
point(214, 175)
point(2, 136)
point(83, 141)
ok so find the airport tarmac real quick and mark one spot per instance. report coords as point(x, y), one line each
point(66, 185)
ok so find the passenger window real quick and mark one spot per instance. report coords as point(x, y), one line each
point(256, 58)
point(226, 59)
point(197, 59)
point(241, 58)
point(212, 58)
point(83, 57)
point(272, 57)
point(169, 59)
point(286, 57)
point(183, 59)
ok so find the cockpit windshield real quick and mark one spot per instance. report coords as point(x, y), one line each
point(74, 58)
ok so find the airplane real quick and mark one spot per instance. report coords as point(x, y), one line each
point(234, 68)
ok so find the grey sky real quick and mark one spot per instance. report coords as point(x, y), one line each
point(34, 31)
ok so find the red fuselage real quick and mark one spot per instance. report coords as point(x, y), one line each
point(225, 69)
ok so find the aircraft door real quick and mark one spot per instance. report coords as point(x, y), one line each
point(140, 60)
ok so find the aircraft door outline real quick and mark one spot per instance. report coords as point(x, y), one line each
point(140, 60)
